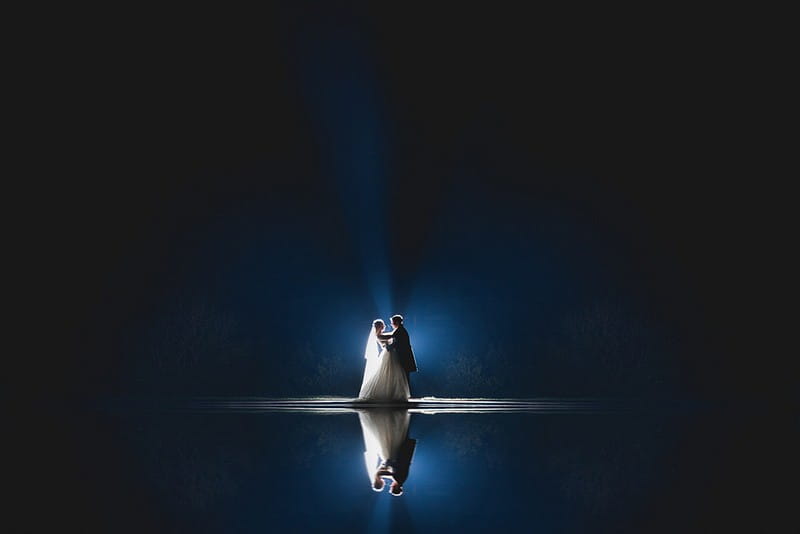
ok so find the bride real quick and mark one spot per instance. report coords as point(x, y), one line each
point(384, 377)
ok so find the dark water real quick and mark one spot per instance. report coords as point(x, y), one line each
point(546, 466)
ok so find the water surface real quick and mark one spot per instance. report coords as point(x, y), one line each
point(536, 465)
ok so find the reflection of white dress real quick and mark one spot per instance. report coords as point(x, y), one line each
point(384, 377)
point(384, 433)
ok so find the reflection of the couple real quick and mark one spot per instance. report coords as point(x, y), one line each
point(388, 448)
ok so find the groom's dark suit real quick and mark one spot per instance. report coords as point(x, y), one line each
point(401, 346)
point(402, 464)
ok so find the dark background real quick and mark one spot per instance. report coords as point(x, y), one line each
point(561, 204)
point(230, 207)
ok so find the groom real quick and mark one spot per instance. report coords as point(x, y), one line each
point(401, 346)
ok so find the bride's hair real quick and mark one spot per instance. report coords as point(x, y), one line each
point(377, 322)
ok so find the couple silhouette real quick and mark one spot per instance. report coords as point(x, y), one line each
point(389, 362)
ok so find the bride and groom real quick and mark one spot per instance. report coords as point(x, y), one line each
point(390, 360)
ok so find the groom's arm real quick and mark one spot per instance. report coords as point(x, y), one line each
point(386, 337)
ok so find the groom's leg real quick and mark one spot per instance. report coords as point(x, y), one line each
point(408, 381)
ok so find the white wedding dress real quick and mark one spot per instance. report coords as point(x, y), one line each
point(385, 379)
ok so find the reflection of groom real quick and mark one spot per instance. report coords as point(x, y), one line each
point(397, 468)
point(401, 346)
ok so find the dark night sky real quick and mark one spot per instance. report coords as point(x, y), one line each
point(528, 162)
